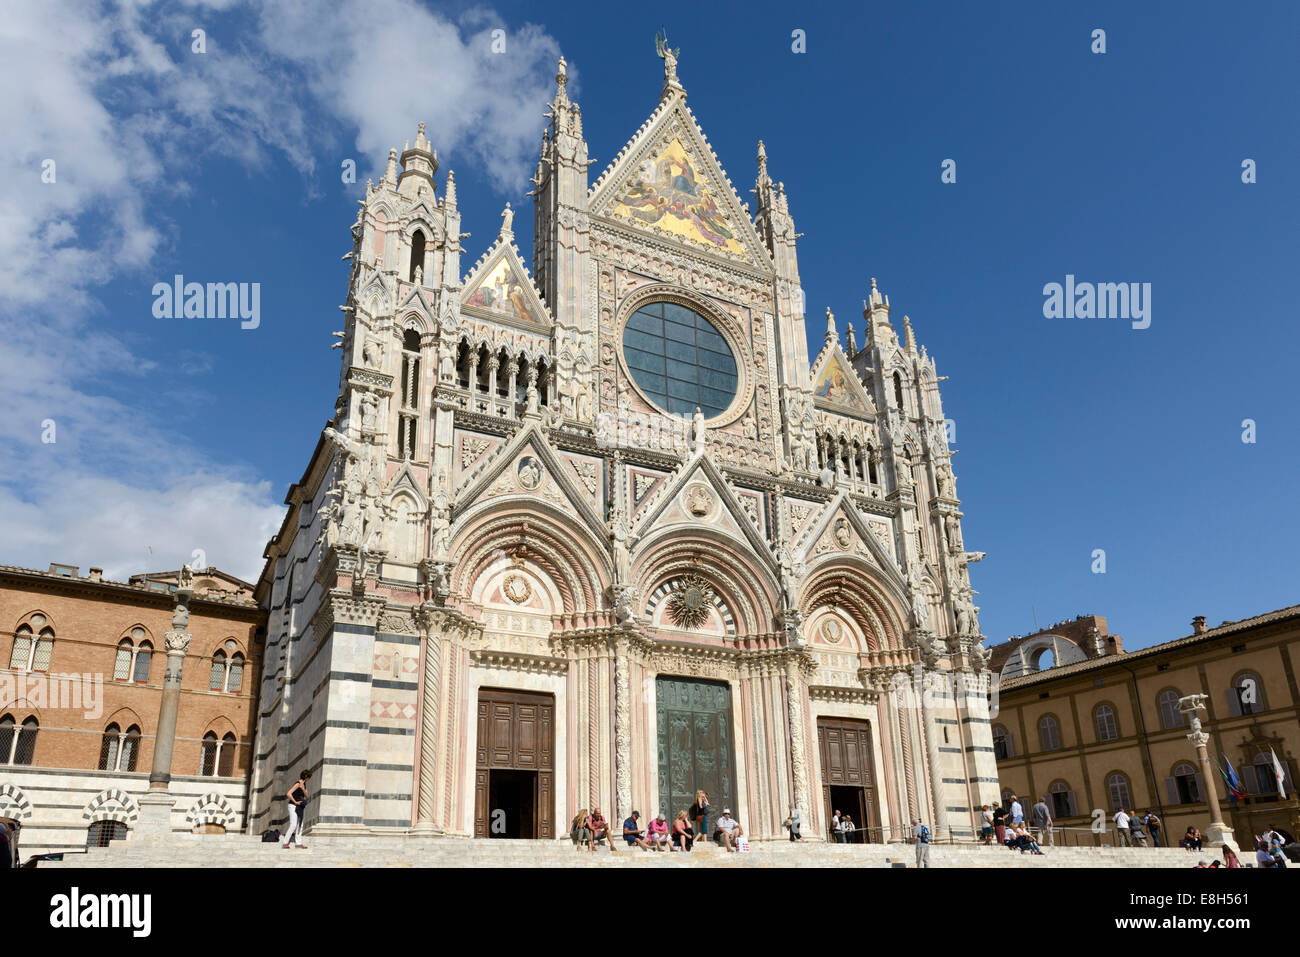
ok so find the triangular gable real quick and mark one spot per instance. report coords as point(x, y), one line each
point(732, 516)
point(529, 466)
point(836, 385)
point(404, 480)
point(499, 287)
point(642, 483)
point(668, 182)
point(420, 299)
point(862, 540)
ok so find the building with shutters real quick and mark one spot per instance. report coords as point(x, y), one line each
point(81, 673)
point(599, 533)
point(1098, 728)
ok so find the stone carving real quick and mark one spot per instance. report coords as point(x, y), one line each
point(530, 473)
point(471, 449)
point(517, 589)
point(440, 517)
point(589, 473)
point(396, 623)
point(843, 533)
point(689, 602)
point(698, 500)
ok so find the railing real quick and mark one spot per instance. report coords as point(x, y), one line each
point(1054, 836)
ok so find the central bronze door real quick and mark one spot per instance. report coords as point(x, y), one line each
point(693, 719)
point(514, 780)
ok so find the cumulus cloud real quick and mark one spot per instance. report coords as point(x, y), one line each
point(107, 98)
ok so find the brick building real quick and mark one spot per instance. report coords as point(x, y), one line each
point(81, 671)
point(1100, 727)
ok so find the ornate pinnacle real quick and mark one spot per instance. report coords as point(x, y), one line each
point(831, 334)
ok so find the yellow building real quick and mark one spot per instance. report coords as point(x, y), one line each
point(1099, 728)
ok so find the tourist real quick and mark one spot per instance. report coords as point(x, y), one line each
point(1025, 840)
point(792, 824)
point(633, 834)
point(1262, 856)
point(1191, 840)
point(297, 797)
point(683, 835)
point(579, 831)
point(1135, 829)
point(1017, 812)
point(1000, 822)
point(599, 828)
point(1230, 857)
point(1121, 820)
point(1153, 823)
point(659, 833)
point(921, 838)
point(850, 829)
point(835, 828)
point(986, 829)
point(1275, 843)
point(700, 815)
point(1042, 819)
point(728, 830)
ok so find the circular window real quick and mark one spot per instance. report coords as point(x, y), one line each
point(679, 360)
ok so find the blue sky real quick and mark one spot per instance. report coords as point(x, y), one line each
point(1074, 434)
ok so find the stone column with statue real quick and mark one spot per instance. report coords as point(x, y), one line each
point(156, 805)
point(1217, 834)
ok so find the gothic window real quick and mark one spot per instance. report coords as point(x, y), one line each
point(102, 833)
point(680, 360)
point(1062, 799)
point(143, 658)
point(1170, 717)
point(217, 675)
point(1049, 733)
point(235, 673)
point(380, 235)
point(1117, 789)
point(1002, 745)
point(118, 751)
point(1107, 729)
point(134, 656)
point(898, 391)
point(1184, 785)
point(1246, 695)
point(108, 749)
point(417, 255)
point(31, 651)
point(208, 763)
point(130, 752)
point(226, 760)
point(122, 664)
point(871, 465)
point(18, 744)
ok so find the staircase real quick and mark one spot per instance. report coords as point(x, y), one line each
point(238, 850)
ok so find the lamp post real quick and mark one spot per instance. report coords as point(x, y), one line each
point(1217, 833)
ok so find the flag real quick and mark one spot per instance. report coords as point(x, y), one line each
point(1235, 791)
point(1278, 773)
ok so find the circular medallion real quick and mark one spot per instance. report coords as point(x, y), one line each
point(517, 589)
point(832, 631)
point(530, 473)
point(688, 604)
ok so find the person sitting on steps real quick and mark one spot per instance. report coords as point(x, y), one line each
point(729, 830)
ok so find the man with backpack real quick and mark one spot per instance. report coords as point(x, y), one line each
point(921, 836)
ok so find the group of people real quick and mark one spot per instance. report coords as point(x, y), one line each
point(590, 828)
point(1270, 849)
point(843, 828)
point(1129, 826)
point(1010, 828)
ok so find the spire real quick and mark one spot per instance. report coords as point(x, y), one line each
point(853, 345)
point(909, 338)
point(390, 171)
point(419, 162)
point(763, 179)
point(450, 200)
point(832, 337)
point(561, 80)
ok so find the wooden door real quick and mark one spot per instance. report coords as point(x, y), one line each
point(846, 762)
point(516, 731)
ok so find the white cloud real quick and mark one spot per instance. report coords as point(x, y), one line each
point(111, 92)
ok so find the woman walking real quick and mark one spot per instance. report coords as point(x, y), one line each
point(297, 796)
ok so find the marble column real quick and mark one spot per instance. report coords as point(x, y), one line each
point(156, 806)
point(798, 754)
point(429, 702)
point(622, 731)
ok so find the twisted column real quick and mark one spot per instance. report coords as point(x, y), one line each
point(798, 756)
point(622, 730)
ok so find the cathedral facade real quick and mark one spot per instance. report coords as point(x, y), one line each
point(599, 534)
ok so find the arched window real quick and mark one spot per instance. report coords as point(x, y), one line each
point(1049, 733)
point(7, 735)
point(108, 750)
point(235, 674)
point(31, 652)
point(130, 749)
point(143, 658)
point(25, 750)
point(417, 255)
point(1170, 717)
point(1246, 695)
point(1184, 785)
point(1107, 729)
point(898, 390)
point(1063, 800)
point(208, 765)
point(102, 833)
point(1118, 790)
point(122, 663)
point(1002, 746)
point(226, 759)
point(217, 676)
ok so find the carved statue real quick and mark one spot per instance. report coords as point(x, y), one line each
point(698, 432)
point(669, 56)
point(419, 275)
point(185, 580)
point(622, 550)
point(441, 579)
point(369, 405)
point(507, 221)
point(440, 516)
point(583, 403)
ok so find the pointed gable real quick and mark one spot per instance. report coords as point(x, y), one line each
point(500, 288)
point(668, 182)
point(836, 386)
